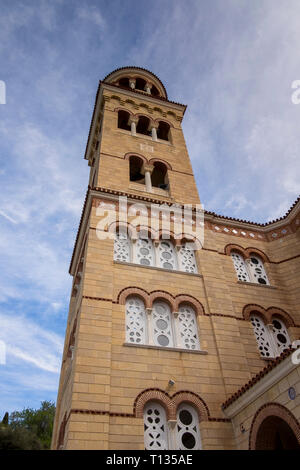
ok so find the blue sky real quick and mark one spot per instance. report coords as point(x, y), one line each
point(231, 61)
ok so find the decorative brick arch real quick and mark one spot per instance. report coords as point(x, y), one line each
point(254, 308)
point(162, 295)
point(188, 299)
point(115, 226)
point(171, 237)
point(257, 252)
point(233, 247)
point(158, 120)
point(272, 410)
point(123, 109)
point(246, 252)
point(170, 403)
point(153, 394)
point(154, 160)
point(134, 154)
point(284, 316)
point(268, 314)
point(139, 115)
point(137, 291)
point(194, 400)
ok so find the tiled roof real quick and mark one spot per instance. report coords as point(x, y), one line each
point(271, 365)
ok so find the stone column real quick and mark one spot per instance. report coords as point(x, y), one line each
point(147, 171)
point(133, 122)
point(153, 128)
point(132, 82)
point(148, 87)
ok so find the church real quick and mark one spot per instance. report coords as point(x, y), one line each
point(183, 329)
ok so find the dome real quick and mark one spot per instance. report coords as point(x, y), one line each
point(138, 79)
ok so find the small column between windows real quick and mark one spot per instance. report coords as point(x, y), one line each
point(148, 87)
point(149, 326)
point(132, 82)
point(133, 123)
point(147, 171)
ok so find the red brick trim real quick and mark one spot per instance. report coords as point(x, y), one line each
point(133, 290)
point(123, 109)
point(272, 409)
point(170, 403)
point(134, 154)
point(257, 252)
point(268, 314)
point(163, 120)
point(246, 252)
point(153, 160)
point(149, 298)
point(188, 299)
point(193, 399)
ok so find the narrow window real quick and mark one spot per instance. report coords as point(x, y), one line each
point(121, 247)
point(166, 255)
point(257, 270)
point(187, 428)
point(163, 131)
point(135, 321)
point(162, 325)
point(140, 84)
point(123, 118)
point(263, 337)
point(188, 330)
point(280, 334)
point(135, 170)
point(240, 266)
point(159, 177)
point(124, 82)
point(155, 427)
point(144, 252)
point(187, 260)
point(143, 126)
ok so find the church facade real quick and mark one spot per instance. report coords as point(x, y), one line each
point(183, 324)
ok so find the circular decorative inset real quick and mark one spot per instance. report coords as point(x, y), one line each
point(292, 393)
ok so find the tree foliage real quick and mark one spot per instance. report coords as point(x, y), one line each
point(28, 429)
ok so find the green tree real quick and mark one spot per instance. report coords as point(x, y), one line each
point(33, 424)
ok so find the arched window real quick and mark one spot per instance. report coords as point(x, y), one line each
point(257, 270)
point(135, 170)
point(124, 82)
point(159, 177)
point(187, 428)
point(163, 130)
point(187, 326)
point(140, 84)
point(143, 126)
point(186, 258)
point(136, 321)
point(155, 427)
point(263, 337)
point(281, 336)
point(154, 91)
point(162, 330)
point(144, 253)
point(122, 247)
point(249, 270)
point(272, 339)
point(240, 266)
point(166, 255)
point(123, 118)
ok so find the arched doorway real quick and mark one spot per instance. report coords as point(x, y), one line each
point(275, 434)
point(274, 427)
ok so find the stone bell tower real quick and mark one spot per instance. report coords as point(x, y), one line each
point(156, 337)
